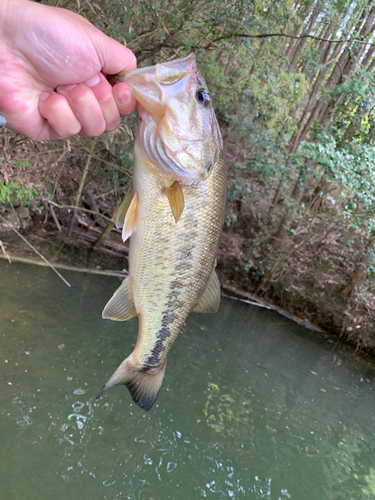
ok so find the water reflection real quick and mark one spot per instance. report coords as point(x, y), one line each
point(252, 406)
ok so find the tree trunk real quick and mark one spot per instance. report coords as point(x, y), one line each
point(298, 30)
point(299, 46)
point(303, 129)
point(280, 234)
point(276, 197)
point(348, 65)
point(228, 66)
point(368, 56)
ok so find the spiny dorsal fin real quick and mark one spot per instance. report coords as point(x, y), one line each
point(176, 199)
point(129, 223)
point(210, 300)
point(123, 209)
point(143, 386)
point(120, 307)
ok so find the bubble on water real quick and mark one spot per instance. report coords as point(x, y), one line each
point(171, 467)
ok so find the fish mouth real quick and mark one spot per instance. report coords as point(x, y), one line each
point(153, 85)
point(166, 73)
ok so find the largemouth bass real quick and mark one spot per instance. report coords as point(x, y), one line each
point(174, 216)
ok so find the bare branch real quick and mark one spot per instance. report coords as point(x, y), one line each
point(297, 37)
point(75, 207)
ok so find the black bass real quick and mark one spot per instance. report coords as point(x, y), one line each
point(174, 216)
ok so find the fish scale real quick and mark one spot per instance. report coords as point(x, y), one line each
point(196, 236)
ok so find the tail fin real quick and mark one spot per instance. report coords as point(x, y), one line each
point(143, 386)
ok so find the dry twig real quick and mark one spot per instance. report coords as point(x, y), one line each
point(6, 255)
point(35, 250)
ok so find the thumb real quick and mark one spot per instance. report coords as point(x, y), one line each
point(113, 55)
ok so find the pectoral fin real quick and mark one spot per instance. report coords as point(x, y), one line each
point(210, 300)
point(176, 199)
point(120, 307)
point(130, 218)
point(120, 219)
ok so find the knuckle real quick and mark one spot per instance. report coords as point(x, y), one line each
point(85, 98)
point(105, 96)
point(56, 103)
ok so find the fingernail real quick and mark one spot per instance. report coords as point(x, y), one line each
point(124, 96)
point(66, 88)
point(44, 96)
point(91, 82)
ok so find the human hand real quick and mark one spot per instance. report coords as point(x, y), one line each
point(51, 73)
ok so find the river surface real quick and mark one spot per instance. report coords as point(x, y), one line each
point(252, 406)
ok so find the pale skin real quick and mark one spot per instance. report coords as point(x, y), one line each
point(52, 67)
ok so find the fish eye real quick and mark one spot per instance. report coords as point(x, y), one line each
point(203, 96)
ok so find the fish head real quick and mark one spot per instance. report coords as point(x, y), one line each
point(178, 129)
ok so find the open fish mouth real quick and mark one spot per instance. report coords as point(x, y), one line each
point(166, 73)
point(153, 86)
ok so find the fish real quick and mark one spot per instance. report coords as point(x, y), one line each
point(173, 216)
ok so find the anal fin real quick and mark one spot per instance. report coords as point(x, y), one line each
point(176, 199)
point(210, 300)
point(120, 306)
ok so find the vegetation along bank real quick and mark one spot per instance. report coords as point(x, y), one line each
point(293, 87)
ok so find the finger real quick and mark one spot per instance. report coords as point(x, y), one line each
point(85, 107)
point(114, 56)
point(124, 98)
point(102, 91)
point(59, 115)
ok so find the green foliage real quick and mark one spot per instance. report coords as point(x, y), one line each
point(237, 190)
point(12, 191)
point(352, 167)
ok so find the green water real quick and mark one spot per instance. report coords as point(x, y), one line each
point(252, 405)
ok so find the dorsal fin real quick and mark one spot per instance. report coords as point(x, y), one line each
point(120, 306)
point(130, 217)
point(176, 199)
point(210, 300)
